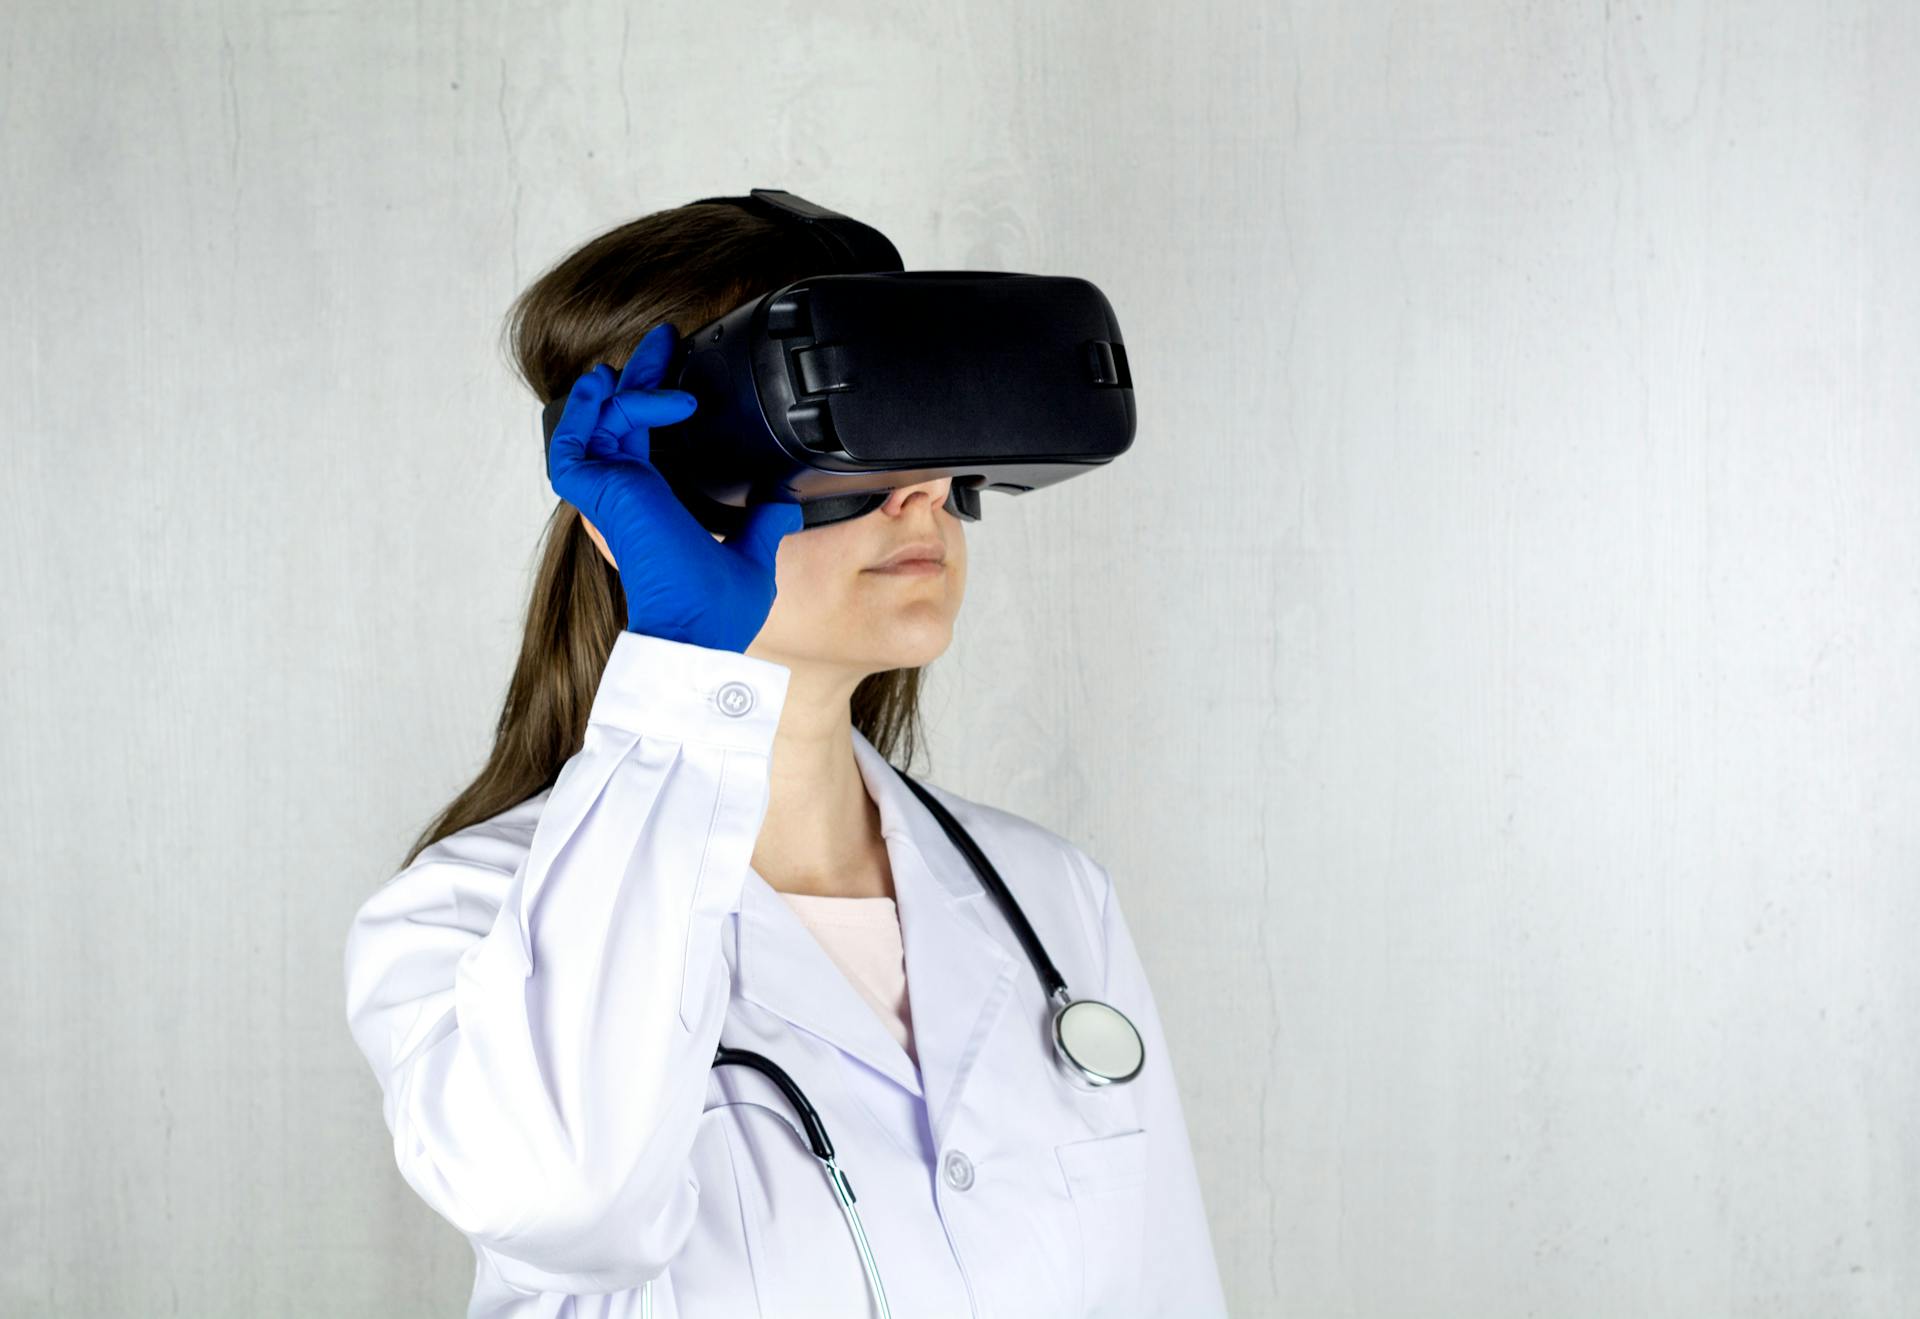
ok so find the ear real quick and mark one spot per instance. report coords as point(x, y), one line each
point(600, 541)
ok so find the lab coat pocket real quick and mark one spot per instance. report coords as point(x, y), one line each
point(1107, 1178)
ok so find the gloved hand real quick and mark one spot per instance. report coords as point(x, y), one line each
point(680, 582)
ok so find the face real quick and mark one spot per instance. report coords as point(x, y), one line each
point(833, 610)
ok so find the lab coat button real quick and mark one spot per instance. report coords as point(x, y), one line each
point(959, 1170)
point(735, 698)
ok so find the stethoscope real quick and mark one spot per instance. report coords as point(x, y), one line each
point(1093, 1043)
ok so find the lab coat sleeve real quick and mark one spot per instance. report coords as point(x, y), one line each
point(541, 1009)
point(1180, 1275)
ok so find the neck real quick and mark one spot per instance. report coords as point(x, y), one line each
point(821, 834)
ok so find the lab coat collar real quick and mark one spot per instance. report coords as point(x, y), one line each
point(960, 973)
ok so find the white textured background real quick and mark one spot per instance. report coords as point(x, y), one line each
point(1490, 677)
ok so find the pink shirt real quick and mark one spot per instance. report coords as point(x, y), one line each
point(862, 936)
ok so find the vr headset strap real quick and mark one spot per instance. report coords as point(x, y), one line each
point(848, 246)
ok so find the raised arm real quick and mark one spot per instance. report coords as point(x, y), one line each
point(541, 1001)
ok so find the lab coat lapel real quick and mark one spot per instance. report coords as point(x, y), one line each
point(781, 966)
point(960, 973)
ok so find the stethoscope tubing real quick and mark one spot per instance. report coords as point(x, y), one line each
point(1043, 965)
point(815, 1131)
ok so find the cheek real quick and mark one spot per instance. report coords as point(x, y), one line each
point(807, 559)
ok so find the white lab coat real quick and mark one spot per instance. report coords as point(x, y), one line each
point(540, 996)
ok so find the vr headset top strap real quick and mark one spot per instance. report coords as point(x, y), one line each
point(848, 246)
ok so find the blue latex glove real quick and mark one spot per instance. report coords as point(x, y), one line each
point(680, 582)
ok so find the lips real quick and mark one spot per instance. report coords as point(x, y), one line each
point(919, 551)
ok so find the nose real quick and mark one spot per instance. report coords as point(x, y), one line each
point(934, 491)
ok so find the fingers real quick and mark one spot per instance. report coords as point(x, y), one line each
point(760, 534)
point(638, 405)
point(577, 421)
point(600, 423)
point(628, 419)
point(648, 364)
point(609, 416)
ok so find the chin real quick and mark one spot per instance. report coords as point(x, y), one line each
point(911, 659)
point(908, 645)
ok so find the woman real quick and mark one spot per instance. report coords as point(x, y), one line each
point(689, 834)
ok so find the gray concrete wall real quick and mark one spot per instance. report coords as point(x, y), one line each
point(1489, 677)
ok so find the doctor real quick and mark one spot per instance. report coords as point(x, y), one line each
point(726, 859)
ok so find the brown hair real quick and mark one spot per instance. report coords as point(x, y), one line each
point(688, 265)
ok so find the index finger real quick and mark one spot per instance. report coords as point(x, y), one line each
point(578, 419)
point(648, 364)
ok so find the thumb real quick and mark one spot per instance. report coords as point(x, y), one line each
point(759, 536)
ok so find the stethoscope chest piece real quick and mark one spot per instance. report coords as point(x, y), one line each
point(1096, 1043)
point(1093, 1042)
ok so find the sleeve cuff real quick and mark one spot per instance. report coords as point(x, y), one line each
point(690, 693)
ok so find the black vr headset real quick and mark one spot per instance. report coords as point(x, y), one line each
point(862, 377)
